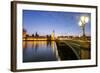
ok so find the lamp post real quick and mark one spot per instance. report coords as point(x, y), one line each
point(82, 23)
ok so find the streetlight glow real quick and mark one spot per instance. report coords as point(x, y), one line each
point(82, 23)
point(82, 18)
point(86, 19)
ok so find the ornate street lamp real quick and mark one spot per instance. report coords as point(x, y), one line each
point(82, 23)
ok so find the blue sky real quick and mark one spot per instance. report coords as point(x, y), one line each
point(63, 23)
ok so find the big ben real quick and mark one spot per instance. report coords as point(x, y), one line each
point(53, 35)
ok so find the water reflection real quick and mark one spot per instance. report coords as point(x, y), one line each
point(35, 51)
point(55, 50)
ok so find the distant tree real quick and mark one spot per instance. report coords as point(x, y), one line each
point(32, 35)
point(27, 35)
point(50, 36)
point(36, 34)
point(47, 36)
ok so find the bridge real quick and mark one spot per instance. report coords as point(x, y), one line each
point(73, 49)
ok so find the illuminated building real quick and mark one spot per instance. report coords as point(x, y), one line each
point(53, 35)
point(24, 33)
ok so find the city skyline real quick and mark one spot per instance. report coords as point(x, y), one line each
point(45, 22)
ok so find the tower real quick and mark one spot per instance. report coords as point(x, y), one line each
point(53, 35)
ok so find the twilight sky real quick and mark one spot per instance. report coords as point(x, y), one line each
point(63, 23)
